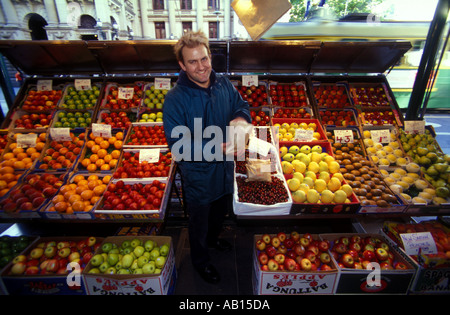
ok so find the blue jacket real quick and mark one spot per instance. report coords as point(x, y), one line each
point(204, 180)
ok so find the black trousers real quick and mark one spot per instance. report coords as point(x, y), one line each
point(205, 225)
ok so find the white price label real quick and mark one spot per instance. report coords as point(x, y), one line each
point(381, 136)
point(415, 126)
point(45, 85)
point(303, 135)
point(259, 146)
point(343, 136)
point(126, 93)
point(26, 140)
point(249, 80)
point(162, 83)
point(60, 134)
point(415, 242)
point(83, 84)
point(101, 130)
point(149, 155)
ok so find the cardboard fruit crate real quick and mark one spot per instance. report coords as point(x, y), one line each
point(133, 284)
point(288, 95)
point(70, 283)
point(433, 271)
point(321, 136)
point(128, 143)
point(371, 281)
point(299, 282)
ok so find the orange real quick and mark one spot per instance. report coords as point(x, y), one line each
point(115, 154)
point(19, 164)
point(90, 144)
point(92, 177)
point(87, 194)
point(29, 151)
point(113, 163)
point(57, 198)
point(7, 170)
point(68, 194)
point(92, 168)
point(78, 206)
point(88, 208)
point(99, 190)
point(35, 156)
point(92, 184)
point(105, 167)
point(85, 162)
point(21, 156)
point(106, 179)
point(61, 206)
point(112, 140)
point(8, 177)
point(94, 199)
point(83, 182)
point(95, 148)
point(78, 178)
point(100, 162)
point(64, 189)
point(98, 140)
point(102, 153)
point(8, 156)
point(17, 151)
point(12, 146)
point(73, 198)
point(107, 158)
point(39, 146)
point(119, 135)
point(81, 188)
point(69, 210)
point(3, 184)
point(118, 144)
point(4, 192)
point(11, 184)
point(104, 144)
point(94, 157)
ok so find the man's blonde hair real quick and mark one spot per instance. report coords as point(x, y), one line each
point(191, 39)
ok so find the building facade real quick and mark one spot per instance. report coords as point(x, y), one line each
point(117, 19)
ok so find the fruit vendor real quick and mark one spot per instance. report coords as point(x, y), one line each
point(205, 100)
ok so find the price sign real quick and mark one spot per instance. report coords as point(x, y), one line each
point(149, 155)
point(415, 242)
point(60, 134)
point(126, 93)
point(343, 136)
point(303, 135)
point(415, 126)
point(162, 83)
point(249, 80)
point(381, 136)
point(45, 85)
point(101, 130)
point(83, 84)
point(26, 140)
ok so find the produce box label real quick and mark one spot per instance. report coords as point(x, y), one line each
point(297, 283)
point(432, 281)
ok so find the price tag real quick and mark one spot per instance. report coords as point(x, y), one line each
point(26, 140)
point(381, 136)
point(126, 93)
point(83, 84)
point(249, 80)
point(162, 83)
point(149, 155)
point(60, 134)
point(415, 126)
point(259, 146)
point(415, 242)
point(343, 136)
point(45, 85)
point(303, 135)
point(101, 130)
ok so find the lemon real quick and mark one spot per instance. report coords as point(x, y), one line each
point(293, 184)
point(320, 185)
point(327, 196)
point(312, 196)
point(299, 196)
point(340, 196)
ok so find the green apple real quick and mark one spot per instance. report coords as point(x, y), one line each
point(138, 271)
point(139, 250)
point(157, 271)
point(113, 259)
point(164, 250)
point(111, 271)
point(141, 261)
point(127, 260)
point(103, 267)
point(160, 261)
point(154, 253)
point(125, 244)
point(149, 245)
point(123, 272)
point(94, 270)
point(135, 242)
point(127, 250)
point(97, 260)
point(106, 247)
point(149, 267)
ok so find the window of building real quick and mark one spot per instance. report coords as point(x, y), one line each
point(160, 30)
point(186, 4)
point(187, 26)
point(158, 4)
point(212, 29)
point(213, 5)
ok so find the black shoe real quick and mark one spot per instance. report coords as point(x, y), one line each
point(209, 274)
point(221, 245)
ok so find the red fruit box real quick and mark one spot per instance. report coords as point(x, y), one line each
point(133, 284)
point(37, 122)
point(346, 117)
point(298, 282)
point(128, 143)
point(319, 128)
point(373, 280)
point(115, 117)
point(114, 99)
point(433, 271)
point(380, 117)
point(332, 95)
point(257, 96)
point(370, 95)
point(139, 213)
point(290, 95)
point(48, 283)
point(36, 101)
